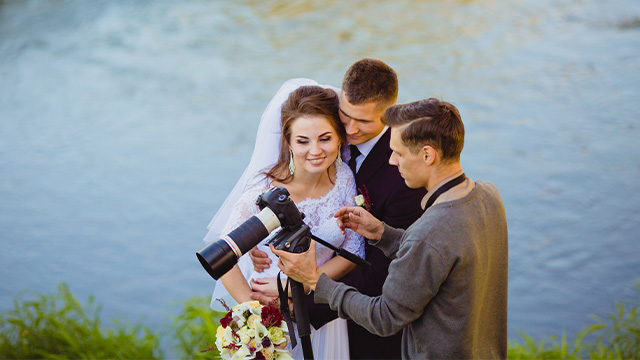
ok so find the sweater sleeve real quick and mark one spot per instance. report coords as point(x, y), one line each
point(415, 276)
point(390, 241)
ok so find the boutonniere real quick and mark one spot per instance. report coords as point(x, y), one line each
point(362, 199)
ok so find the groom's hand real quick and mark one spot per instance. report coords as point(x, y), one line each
point(260, 259)
point(360, 221)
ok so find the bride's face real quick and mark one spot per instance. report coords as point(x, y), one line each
point(314, 143)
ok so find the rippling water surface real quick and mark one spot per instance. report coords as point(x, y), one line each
point(124, 124)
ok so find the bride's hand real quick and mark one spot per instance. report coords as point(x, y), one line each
point(260, 259)
point(257, 286)
point(267, 287)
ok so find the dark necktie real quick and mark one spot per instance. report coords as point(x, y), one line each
point(354, 154)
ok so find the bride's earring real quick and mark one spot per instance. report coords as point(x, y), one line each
point(292, 167)
point(339, 157)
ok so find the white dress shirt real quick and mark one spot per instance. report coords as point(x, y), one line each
point(365, 148)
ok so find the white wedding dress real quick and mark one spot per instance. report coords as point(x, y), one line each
point(331, 340)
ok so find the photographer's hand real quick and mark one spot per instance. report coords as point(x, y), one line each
point(260, 259)
point(360, 221)
point(300, 267)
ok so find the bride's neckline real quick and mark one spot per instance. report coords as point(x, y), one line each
point(313, 200)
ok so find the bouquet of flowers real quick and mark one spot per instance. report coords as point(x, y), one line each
point(252, 331)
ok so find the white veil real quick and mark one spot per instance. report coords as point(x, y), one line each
point(265, 155)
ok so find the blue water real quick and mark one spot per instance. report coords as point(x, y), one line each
point(124, 124)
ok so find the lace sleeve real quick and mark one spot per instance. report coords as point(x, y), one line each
point(353, 242)
point(245, 207)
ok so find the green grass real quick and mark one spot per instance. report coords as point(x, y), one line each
point(58, 327)
point(617, 338)
point(195, 328)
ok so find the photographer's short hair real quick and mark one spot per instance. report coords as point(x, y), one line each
point(370, 80)
point(429, 122)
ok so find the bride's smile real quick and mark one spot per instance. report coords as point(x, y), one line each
point(317, 161)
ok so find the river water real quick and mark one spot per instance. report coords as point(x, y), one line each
point(123, 124)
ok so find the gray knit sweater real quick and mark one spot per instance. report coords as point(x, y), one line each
point(447, 283)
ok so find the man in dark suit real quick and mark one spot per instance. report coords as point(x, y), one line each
point(368, 88)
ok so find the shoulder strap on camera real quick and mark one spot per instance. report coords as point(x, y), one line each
point(283, 294)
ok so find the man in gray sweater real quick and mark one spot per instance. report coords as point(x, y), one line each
point(447, 283)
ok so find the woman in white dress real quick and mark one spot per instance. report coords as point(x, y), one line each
point(308, 164)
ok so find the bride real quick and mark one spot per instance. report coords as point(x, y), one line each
point(298, 146)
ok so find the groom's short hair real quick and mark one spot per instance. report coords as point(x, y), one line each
point(370, 80)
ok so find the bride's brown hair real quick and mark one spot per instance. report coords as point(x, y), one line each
point(305, 101)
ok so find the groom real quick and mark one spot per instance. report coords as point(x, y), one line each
point(369, 86)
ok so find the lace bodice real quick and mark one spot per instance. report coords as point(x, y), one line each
point(318, 216)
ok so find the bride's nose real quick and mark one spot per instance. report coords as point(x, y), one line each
point(315, 149)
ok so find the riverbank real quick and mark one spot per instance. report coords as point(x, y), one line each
point(59, 326)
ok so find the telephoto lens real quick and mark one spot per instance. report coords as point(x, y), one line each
point(221, 255)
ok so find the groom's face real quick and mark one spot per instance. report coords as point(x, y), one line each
point(362, 122)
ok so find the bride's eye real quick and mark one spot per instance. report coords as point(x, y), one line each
point(325, 139)
point(302, 141)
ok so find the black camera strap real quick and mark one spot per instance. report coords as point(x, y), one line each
point(283, 294)
point(444, 188)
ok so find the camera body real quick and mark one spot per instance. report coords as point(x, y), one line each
point(277, 199)
point(294, 235)
point(276, 209)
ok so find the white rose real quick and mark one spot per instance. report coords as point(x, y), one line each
point(252, 319)
point(359, 199)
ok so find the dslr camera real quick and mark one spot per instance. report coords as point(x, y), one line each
point(276, 209)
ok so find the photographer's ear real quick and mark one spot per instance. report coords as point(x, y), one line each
point(429, 154)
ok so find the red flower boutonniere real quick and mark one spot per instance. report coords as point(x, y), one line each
point(362, 199)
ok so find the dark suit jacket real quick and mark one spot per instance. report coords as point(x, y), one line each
point(398, 206)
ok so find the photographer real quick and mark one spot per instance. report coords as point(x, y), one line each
point(447, 283)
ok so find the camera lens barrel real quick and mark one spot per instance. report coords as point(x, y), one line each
point(221, 255)
point(217, 258)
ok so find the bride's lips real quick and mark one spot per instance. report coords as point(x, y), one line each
point(316, 161)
